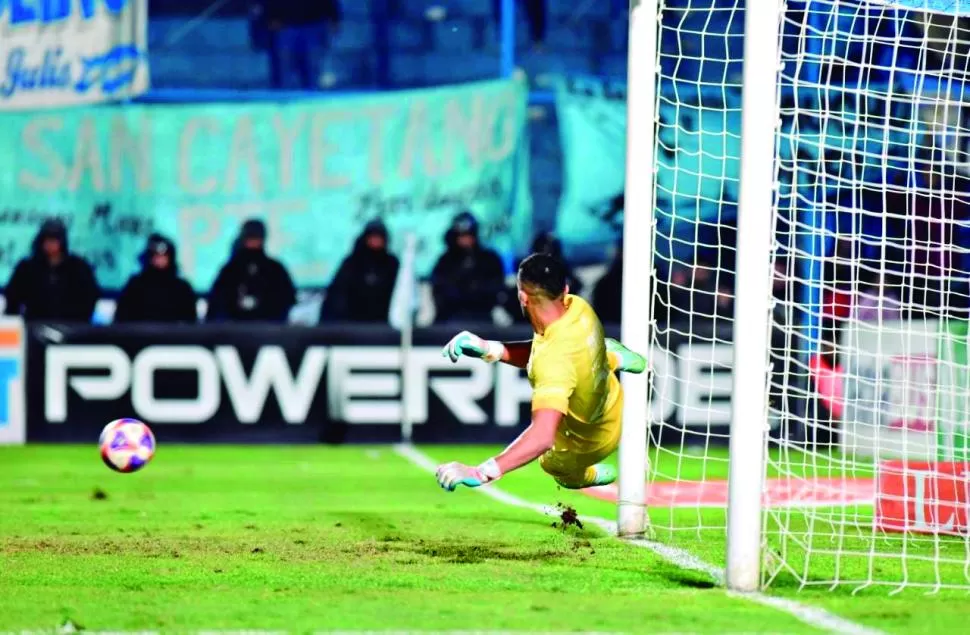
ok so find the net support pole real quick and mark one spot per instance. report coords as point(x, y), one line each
point(749, 417)
point(407, 334)
point(638, 223)
point(507, 31)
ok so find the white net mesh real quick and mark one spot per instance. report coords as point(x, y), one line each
point(867, 481)
point(872, 297)
point(698, 154)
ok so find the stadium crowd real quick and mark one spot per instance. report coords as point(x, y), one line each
point(467, 283)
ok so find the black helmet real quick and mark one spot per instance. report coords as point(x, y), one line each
point(253, 228)
point(51, 228)
point(158, 244)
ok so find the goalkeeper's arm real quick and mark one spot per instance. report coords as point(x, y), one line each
point(470, 345)
point(517, 353)
point(531, 444)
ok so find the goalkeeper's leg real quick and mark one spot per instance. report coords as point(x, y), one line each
point(574, 466)
point(623, 359)
point(572, 472)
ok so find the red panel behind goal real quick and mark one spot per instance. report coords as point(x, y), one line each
point(922, 497)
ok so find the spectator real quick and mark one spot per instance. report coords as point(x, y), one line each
point(879, 298)
point(52, 283)
point(674, 296)
point(157, 293)
point(535, 13)
point(361, 291)
point(837, 292)
point(608, 292)
point(468, 279)
point(294, 32)
point(702, 291)
point(252, 286)
point(782, 289)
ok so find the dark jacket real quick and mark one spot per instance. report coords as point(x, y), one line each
point(608, 293)
point(39, 291)
point(467, 284)
point(252, 287)
point(301, 12)
point(361, 291)
point(154, 295)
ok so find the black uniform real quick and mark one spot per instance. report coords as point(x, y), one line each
point(251, 286)
point(467, 283)
point(608, 292)
point(362, 289)
point(40, 290)
point(157, 295)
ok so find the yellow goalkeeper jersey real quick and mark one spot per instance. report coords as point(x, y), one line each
point(569, 372)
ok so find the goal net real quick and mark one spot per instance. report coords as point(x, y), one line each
point(866, 481)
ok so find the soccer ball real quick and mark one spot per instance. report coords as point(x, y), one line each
point(127, 445)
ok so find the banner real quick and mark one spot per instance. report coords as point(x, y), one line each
point(246, 383)
point(953, 405)
point(922, 497)
point(13, 427)
point(698, 155)
point(696, 188)
point(316, 171)
point(890, 388)
point(68, 52)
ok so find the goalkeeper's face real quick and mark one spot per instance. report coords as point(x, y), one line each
point(530, 299)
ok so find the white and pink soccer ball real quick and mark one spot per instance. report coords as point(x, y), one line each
point(127, 445)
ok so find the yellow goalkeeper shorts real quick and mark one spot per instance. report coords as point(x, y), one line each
point(569, 458)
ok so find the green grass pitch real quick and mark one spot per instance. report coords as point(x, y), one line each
point(316, 538)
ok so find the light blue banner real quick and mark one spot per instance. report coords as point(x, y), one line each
point(952, 7)
point(698, 156)
point(697, 169)
point(315, 171)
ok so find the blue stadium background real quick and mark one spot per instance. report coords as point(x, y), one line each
point(388, 44)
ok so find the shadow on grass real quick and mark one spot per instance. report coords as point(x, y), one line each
point(471, 554)
point(688, 579)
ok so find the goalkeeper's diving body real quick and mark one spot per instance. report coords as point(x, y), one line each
point(577, 401)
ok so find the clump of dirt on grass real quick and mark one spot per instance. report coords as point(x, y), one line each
point(568, 517)
point(99, 494)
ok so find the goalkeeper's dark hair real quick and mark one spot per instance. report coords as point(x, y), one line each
point(543, 274)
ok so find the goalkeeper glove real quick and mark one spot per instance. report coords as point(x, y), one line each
point(470, 345)
point(451, 475)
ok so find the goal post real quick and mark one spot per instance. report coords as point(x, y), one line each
point(797, 265)
point(632, 520)
point(752, 303)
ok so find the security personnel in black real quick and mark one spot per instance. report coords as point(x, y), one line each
point(52, 283)
point(252, 286)
point(468, 280)
point(362, 289)
point(157, 293)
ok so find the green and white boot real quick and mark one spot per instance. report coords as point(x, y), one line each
point(627, 360)
point(605, 474)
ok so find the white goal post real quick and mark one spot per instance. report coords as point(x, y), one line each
point(804, 239)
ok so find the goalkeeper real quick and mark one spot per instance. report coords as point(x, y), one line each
point(577, 401)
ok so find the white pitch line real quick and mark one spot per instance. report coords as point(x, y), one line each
point(813, 616)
